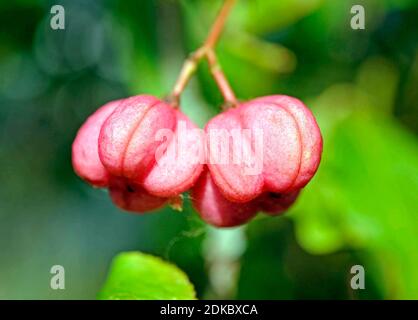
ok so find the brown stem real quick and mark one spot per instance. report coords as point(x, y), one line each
point(190, 65)
point(188, 69)
point(221, 80)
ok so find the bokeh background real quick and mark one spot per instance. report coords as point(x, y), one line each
point(361, 207)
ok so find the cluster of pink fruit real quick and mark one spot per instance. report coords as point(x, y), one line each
point(116, 149)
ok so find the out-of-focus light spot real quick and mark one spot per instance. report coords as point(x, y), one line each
point(77, 47)
point(24, 80)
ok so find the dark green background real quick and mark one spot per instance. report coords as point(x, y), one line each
point(361, 207)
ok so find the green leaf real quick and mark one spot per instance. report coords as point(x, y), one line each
point(139, 276)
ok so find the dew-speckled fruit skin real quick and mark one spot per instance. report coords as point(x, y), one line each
point(128, 146)
point(292, 147)
point(215, 209)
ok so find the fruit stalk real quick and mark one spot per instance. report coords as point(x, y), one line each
point(219, 24)
point(206, 51)
point(221, 80)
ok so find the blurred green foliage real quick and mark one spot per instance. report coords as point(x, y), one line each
point(361, 208)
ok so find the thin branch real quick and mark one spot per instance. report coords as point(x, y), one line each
point(221, 80)
point(219, 24)
point(188, 69)
point(190, 65)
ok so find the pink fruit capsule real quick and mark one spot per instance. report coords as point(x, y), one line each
point(120, 147)
point(215, 209)
point(218, 211)
point(85, 155)
point(133, 198)
point(290, 153)
point(310, 136)
point(129, 145)
point(276, 203)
